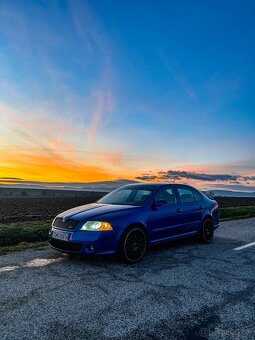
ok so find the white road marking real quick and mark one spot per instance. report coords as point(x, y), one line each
point(245, 246)
point(30, 264)
point(8, 269)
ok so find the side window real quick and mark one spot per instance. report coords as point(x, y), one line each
point(186, 195)
point(166, 195)
point(197, 196)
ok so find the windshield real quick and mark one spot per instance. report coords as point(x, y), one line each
point(128, 196)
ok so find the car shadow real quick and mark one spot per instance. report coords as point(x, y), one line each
point(107, 260)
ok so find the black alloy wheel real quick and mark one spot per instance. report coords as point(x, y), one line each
point(207, 232)
point(134, 245)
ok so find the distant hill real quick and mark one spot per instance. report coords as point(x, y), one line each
point(86, 189)
point(58, 190)
point(230, 193)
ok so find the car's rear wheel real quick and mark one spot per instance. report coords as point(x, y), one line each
point(134, 245)
point(207, 231)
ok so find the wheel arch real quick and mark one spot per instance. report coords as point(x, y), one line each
point(207, 216)
point(202, 236)
point(132, 225)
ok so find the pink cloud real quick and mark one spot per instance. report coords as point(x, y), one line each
point(95, 41)
point(104, 105)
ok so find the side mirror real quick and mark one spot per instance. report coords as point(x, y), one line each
point(160, 203)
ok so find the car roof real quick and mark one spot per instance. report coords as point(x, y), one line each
point(153, 186)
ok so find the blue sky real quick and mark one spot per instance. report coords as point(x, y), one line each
point(122, 88)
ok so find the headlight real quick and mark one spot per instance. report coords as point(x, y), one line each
point(96, 226)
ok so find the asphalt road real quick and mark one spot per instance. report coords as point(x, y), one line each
point(180, 290)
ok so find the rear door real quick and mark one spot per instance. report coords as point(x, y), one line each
point(164, 219)
point(190, 209)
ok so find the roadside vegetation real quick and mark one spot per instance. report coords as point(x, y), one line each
point(33, 234)
point(233, 213)
point(13, 234)
point(21, 246)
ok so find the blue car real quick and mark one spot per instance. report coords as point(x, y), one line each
point(130, 219)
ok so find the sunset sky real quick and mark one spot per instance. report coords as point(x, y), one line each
point(128, 89)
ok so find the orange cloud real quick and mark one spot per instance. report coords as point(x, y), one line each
point(48, 167)
point(36, 145)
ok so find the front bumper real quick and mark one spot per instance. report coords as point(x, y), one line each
point(87, 242)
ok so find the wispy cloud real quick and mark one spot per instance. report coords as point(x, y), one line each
point(39, 144)
point(178, 75)
point(88, 101)
point(96, 42)
point(104, 105)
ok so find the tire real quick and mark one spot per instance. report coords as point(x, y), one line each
point(134, 245)
point(207, 231)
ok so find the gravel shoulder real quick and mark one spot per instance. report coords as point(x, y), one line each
point(180, 290)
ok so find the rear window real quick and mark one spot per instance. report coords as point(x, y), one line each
point(166, 195)
point(197, 196)
point(186, 195)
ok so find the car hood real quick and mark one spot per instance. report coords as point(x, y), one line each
point(88, 211)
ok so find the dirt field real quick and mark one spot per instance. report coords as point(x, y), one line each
point(13, 209)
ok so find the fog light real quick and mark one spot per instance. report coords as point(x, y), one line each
point(89, 248)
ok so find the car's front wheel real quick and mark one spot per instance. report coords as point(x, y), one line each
point(207, 231)
point(134, 245)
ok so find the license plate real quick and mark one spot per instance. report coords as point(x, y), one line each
point(59, 235)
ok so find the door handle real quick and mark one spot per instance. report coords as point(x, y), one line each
point(201, 207)
point(178, 210)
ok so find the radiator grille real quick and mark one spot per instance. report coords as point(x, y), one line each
point(67, 225)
